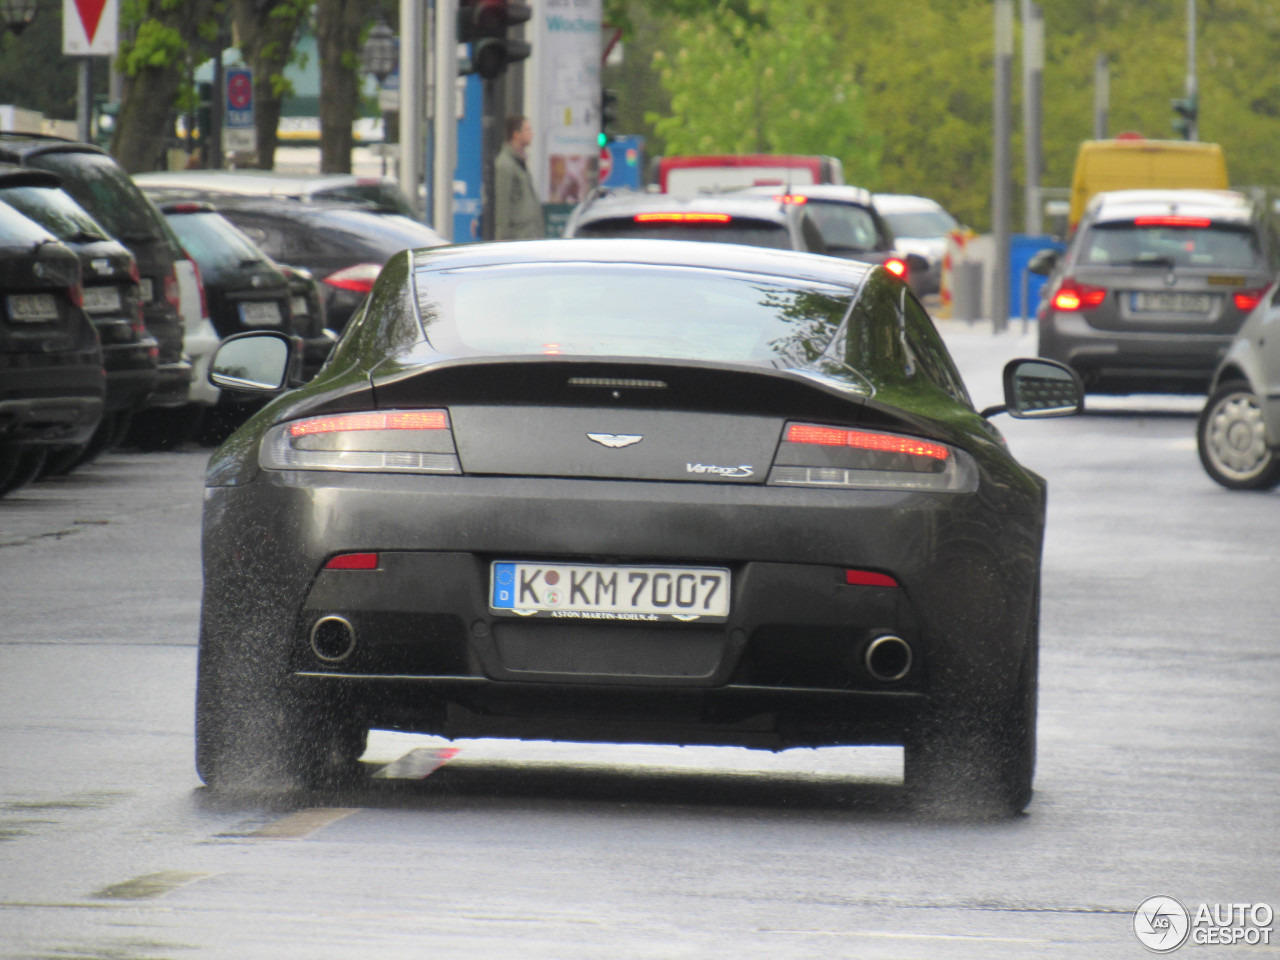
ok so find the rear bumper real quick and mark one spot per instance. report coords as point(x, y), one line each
point(131, 374)
point(173, 385)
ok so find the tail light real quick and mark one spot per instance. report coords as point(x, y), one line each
point(76, 295)
point(375, 441)
point(792, 198)
point(358, 279)
point(139, 325)
point(1072, 296)
point(1171, 221)
point(682, 218)
point(172, 293)
point(204, 297)
point(1246, 300)
point(813, 455)
point(897, 266)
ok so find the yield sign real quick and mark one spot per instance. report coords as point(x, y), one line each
point(89, 27)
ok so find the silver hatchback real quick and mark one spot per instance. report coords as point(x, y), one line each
point(1153, 287)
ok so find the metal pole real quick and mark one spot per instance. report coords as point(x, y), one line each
point(1101, 97)
point(1032, 75)
point(84, 97)
point(412, 86)
point(217, 105)
point(491, 130)
point(445, 140)
point(1193, 131)
point(1000, 192)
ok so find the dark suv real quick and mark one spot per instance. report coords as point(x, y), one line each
point(1153, 287)
point(99, 184)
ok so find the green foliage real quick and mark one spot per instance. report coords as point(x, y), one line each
point(764, 76)
point(154, 46)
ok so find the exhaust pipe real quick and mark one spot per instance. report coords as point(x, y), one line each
point(888, 658)
point(333, 638)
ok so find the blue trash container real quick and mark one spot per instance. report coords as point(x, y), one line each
point(1022, 247)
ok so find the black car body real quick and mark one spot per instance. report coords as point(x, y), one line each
point(110, 279)
point(99, 184)
point(52, 383)
point(342, 246)
point(624, 491)
point(377, 194)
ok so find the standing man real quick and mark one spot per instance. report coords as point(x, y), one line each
point(516, 208)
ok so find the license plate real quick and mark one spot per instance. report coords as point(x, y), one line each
point(145, 290)
point(32, 307)
point(298, 306)
point(260, 314)
point(1172, 302)
point(101, 299)
point(595, 592)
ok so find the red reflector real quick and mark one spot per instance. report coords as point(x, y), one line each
point(897, 267)
point(353, 561)
point(866, 578)
point(682, 218)
point(1246, 300)
point(794, 198)
point(1078, 296)
point(863, 440)
point(408, 420)
point(1171, 221)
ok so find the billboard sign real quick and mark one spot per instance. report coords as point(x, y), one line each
point(566, 48)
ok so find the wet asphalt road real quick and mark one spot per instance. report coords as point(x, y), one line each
point(1159, 764)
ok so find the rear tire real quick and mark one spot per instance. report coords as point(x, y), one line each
point(30, 461)
point(1231, 439)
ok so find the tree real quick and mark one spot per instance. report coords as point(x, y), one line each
point(767, 79)
point(339, 28)
point(267, 31)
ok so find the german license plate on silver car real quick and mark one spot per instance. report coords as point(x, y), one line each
point(260, 314)
point(32, 307)
point(599, 592)
point(1169, 301)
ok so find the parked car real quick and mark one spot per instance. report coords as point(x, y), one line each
point(377, 194)
point(1238, 432)
point(110, 298)
point(631, 491)
point(736, 217)
point(52, 383)
point(1153, 287)
point(99, 184)
point(919, 226)
point(342, 246)
point(851, 226)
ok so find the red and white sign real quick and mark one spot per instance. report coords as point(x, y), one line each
point(606, 164)
point(90, 27)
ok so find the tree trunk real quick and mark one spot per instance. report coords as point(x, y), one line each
point(339, 25)
point(267, 32)
point(155, 66)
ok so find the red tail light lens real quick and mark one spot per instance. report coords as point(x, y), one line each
point(204, 298)
point(865, 440)
point(353, 561)
point(1171, 221)
point(391, 441)
point(814, 455)
point(76, 295)
point(171, 291)
point(358, 279)
point(868, 578)
point(347, 422)
point(897, 267)
point(1246, 300)
point(792, 198)
point(1078, 296)
point(682, 218)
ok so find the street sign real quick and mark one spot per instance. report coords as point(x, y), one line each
point(606, 164)
point(90, 27)
point(238, 132)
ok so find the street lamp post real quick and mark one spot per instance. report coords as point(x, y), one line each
point(17, 14)
point(379, 56)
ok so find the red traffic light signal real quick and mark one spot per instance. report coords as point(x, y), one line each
point(484, 25)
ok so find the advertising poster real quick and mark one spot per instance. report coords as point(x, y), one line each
point(569, 86)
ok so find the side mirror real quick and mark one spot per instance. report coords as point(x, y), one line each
point(1035, 389)
point(916, 264)
point(1043, 261)
point(257, 362)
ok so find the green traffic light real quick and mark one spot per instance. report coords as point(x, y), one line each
point(602, 139)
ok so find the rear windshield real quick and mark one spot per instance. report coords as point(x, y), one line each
point(214, 242)
point(381, 197)
point(101, 186)
point(17, 230)
point(663, 312)
point(752, 233)
point(1221, 246)
point(56, 212)
point(921, 224)
point(844, 226)
point(371, 234)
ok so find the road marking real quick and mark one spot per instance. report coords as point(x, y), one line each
point(888, 935)
point(297, 826)
point(417, 764)
point(148, 886)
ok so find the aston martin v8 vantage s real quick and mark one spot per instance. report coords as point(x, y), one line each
point(625, 491)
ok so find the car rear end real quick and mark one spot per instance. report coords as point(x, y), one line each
point(1149, 297)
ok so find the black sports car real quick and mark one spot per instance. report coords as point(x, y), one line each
point(625, 491)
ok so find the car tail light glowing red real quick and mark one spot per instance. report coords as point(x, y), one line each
point(792, 198)
point(865, 440)
point(347, 422)
point(1171, 221)
point(897, 267)
point(171, 291)
point(1246, 300)
point(868, 578)
point(358, 279)
point(204, 297)
point(76, 295)
point(1078, 296)
point(682, 218)
point(353, 561)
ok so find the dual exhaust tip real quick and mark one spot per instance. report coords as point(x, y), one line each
point(888, 658)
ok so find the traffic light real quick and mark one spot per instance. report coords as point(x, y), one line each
point(608, 116)
point(484, 25)
point(1185, 121)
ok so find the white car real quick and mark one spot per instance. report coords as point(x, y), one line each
point(919, 226)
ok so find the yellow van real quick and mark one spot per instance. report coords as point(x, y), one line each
point(1129, 164)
